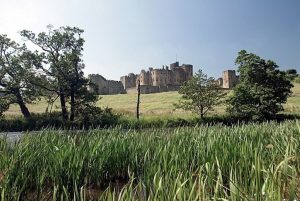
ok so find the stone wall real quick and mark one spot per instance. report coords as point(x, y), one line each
point(163, 79)
point(105, 87)
point(129, 80)
point(230, 79)
point(148, 89)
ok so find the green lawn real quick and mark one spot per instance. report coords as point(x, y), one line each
point(153, 105)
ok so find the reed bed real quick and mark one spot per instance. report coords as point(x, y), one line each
point(242, 162)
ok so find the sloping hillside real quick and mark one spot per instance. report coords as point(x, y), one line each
point(158, 104)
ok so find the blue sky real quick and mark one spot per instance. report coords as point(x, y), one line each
point(125, 36)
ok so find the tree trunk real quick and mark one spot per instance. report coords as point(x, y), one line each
point(201, 112)
point(22, 104)
point(63, 106)
point(72, 115)
point(138, 100)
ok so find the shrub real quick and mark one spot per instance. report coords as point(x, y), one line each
point(262, 88)
point(98, 118)
point(297, 79)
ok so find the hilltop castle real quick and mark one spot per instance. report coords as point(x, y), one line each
point(157, 80)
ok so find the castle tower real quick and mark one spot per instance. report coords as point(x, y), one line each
point(129, 80)
point(174, 65)
point(188, 69)
point(145, 78)
point(229, 79)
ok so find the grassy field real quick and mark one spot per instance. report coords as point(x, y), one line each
point(155, 105)
point(246, 162)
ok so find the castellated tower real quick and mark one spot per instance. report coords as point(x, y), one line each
point(230, 79)
point(188, 69)
point(145, 78)
point(129, 80)
point(159, 79)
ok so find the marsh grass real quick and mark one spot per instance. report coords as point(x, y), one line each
point(243, 162)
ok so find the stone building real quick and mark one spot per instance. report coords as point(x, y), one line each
point(159, 80)
point(229, 79)
point(129, 80)
point(105, 87)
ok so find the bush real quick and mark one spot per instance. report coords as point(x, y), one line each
point(297, 79)
point(97, 119)
point(262, 88)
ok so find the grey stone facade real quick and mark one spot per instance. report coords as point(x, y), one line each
point(229, 79)
point(106, 87)
point(159, 80)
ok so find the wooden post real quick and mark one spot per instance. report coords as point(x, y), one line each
point(138, 100)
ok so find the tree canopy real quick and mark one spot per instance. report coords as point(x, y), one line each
point(200, 94)
point(17, 74)
point(262, 88)
point(62, 50)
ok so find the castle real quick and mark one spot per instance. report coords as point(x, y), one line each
point(105, 86)
point(229, 79)
point(157, 80)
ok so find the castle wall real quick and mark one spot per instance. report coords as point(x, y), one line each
point(129, 80)
point(105, 87)
point(188, 71)
point(161, 79)
point(145, 78)
point(220, 82)
point(115, 87)
point(100, 82)
point(230, 79)
point(148, 89)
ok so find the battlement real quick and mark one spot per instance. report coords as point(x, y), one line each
point(176, 75)
point(105, 86)
point(156, 80)
point(229, 79)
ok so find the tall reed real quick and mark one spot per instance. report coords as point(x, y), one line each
point(244, 162)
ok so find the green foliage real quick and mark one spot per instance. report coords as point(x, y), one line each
point(297, 79)
point(98, 118)
point(291, 74)
point(200, 94)
point(63, 69)
point(17, 74)
point(262, 88)
point(246, 162)
point(4, 105)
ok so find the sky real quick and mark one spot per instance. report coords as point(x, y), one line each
point(124, 36)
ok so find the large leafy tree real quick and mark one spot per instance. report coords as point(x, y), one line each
point(200, 94)
point(16, 75)
point(262, 89)
point(4, 104)
point(63, 66)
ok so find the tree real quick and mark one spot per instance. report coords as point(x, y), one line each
point(4, 105)
point(64, 67)
point(291, 74)
point(262, 88)
point(16, 74)
point(200, 94)
point(297, 79)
